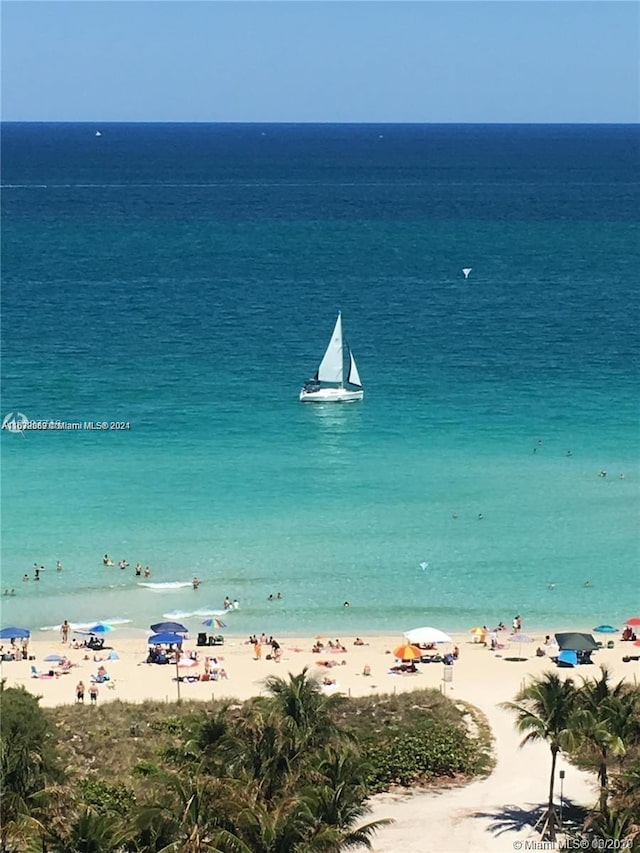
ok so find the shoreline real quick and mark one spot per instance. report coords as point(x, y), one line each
point(477, 671)
point(460, 817)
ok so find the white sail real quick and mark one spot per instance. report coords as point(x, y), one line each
point(331, 367)
point(354, 376)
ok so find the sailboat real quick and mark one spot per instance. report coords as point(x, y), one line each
point(328, 385)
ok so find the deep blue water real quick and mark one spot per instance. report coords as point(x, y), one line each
point(185, 279)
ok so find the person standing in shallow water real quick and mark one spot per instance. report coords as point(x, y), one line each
point(64, 630)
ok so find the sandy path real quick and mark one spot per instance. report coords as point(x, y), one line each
point(487, 816)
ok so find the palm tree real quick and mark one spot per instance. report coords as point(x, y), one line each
point(605, 719)
point(615, 824)
point(337, 802)
point(545, 711)
point(19, 830)
point(186, 820)
point(91, 832)
point(305, 709)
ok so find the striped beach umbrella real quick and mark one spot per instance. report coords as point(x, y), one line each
point(214, 623)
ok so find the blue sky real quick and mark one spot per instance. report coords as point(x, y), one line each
point(359, 61)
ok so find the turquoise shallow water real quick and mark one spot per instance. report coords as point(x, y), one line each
point(185, 280)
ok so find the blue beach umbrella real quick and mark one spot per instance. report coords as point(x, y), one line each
point(567, 658)
point(171, 627)
point(605, 629)
point(165, 639)
point(14, 634)
point(98, 628)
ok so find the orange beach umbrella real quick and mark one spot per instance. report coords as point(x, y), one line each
point(477, 631)
point(407, 652)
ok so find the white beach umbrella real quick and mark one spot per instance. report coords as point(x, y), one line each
point(427, 636)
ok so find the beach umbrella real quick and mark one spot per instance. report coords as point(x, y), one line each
point(172, 627)
point(605, 629)
point(479, 633)
point(520, 639)
point(165, 639)
point(214, 623)
point(407, 652)
point(576, 642)
point(634, 621)
point(99, 628)
point(427, 636)
point(14, 634)
point(52, 658)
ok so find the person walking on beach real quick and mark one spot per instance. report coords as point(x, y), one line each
point(80, 692)
point(257, 650)
point(64, 630)
point(93, 693)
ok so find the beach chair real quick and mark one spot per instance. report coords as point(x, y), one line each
point(611, 644)
point(567, 658)
point(202, 639)
point(35, 672)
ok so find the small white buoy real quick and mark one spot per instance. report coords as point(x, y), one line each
point(98, 133)
point(424, 566)
point(466, 271)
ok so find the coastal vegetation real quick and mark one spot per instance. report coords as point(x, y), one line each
point(287, 772)
point(597, 725)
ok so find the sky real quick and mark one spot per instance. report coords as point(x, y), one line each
point(330, 61)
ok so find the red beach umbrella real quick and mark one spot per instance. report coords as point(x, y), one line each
point(634, 621)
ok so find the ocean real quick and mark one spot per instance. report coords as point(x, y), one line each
point(183, 280)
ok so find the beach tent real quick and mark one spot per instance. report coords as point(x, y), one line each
point(567, 658)
point(171, 627)
point(576, 642)
point(15, 634)
point(165, 639)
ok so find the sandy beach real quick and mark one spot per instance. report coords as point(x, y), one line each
point(486, 815)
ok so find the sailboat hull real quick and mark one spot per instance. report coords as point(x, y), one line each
point(331, 395)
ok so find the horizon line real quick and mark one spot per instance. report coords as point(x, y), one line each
point(319, 122)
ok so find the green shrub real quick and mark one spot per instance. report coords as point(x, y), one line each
point(432, 750)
